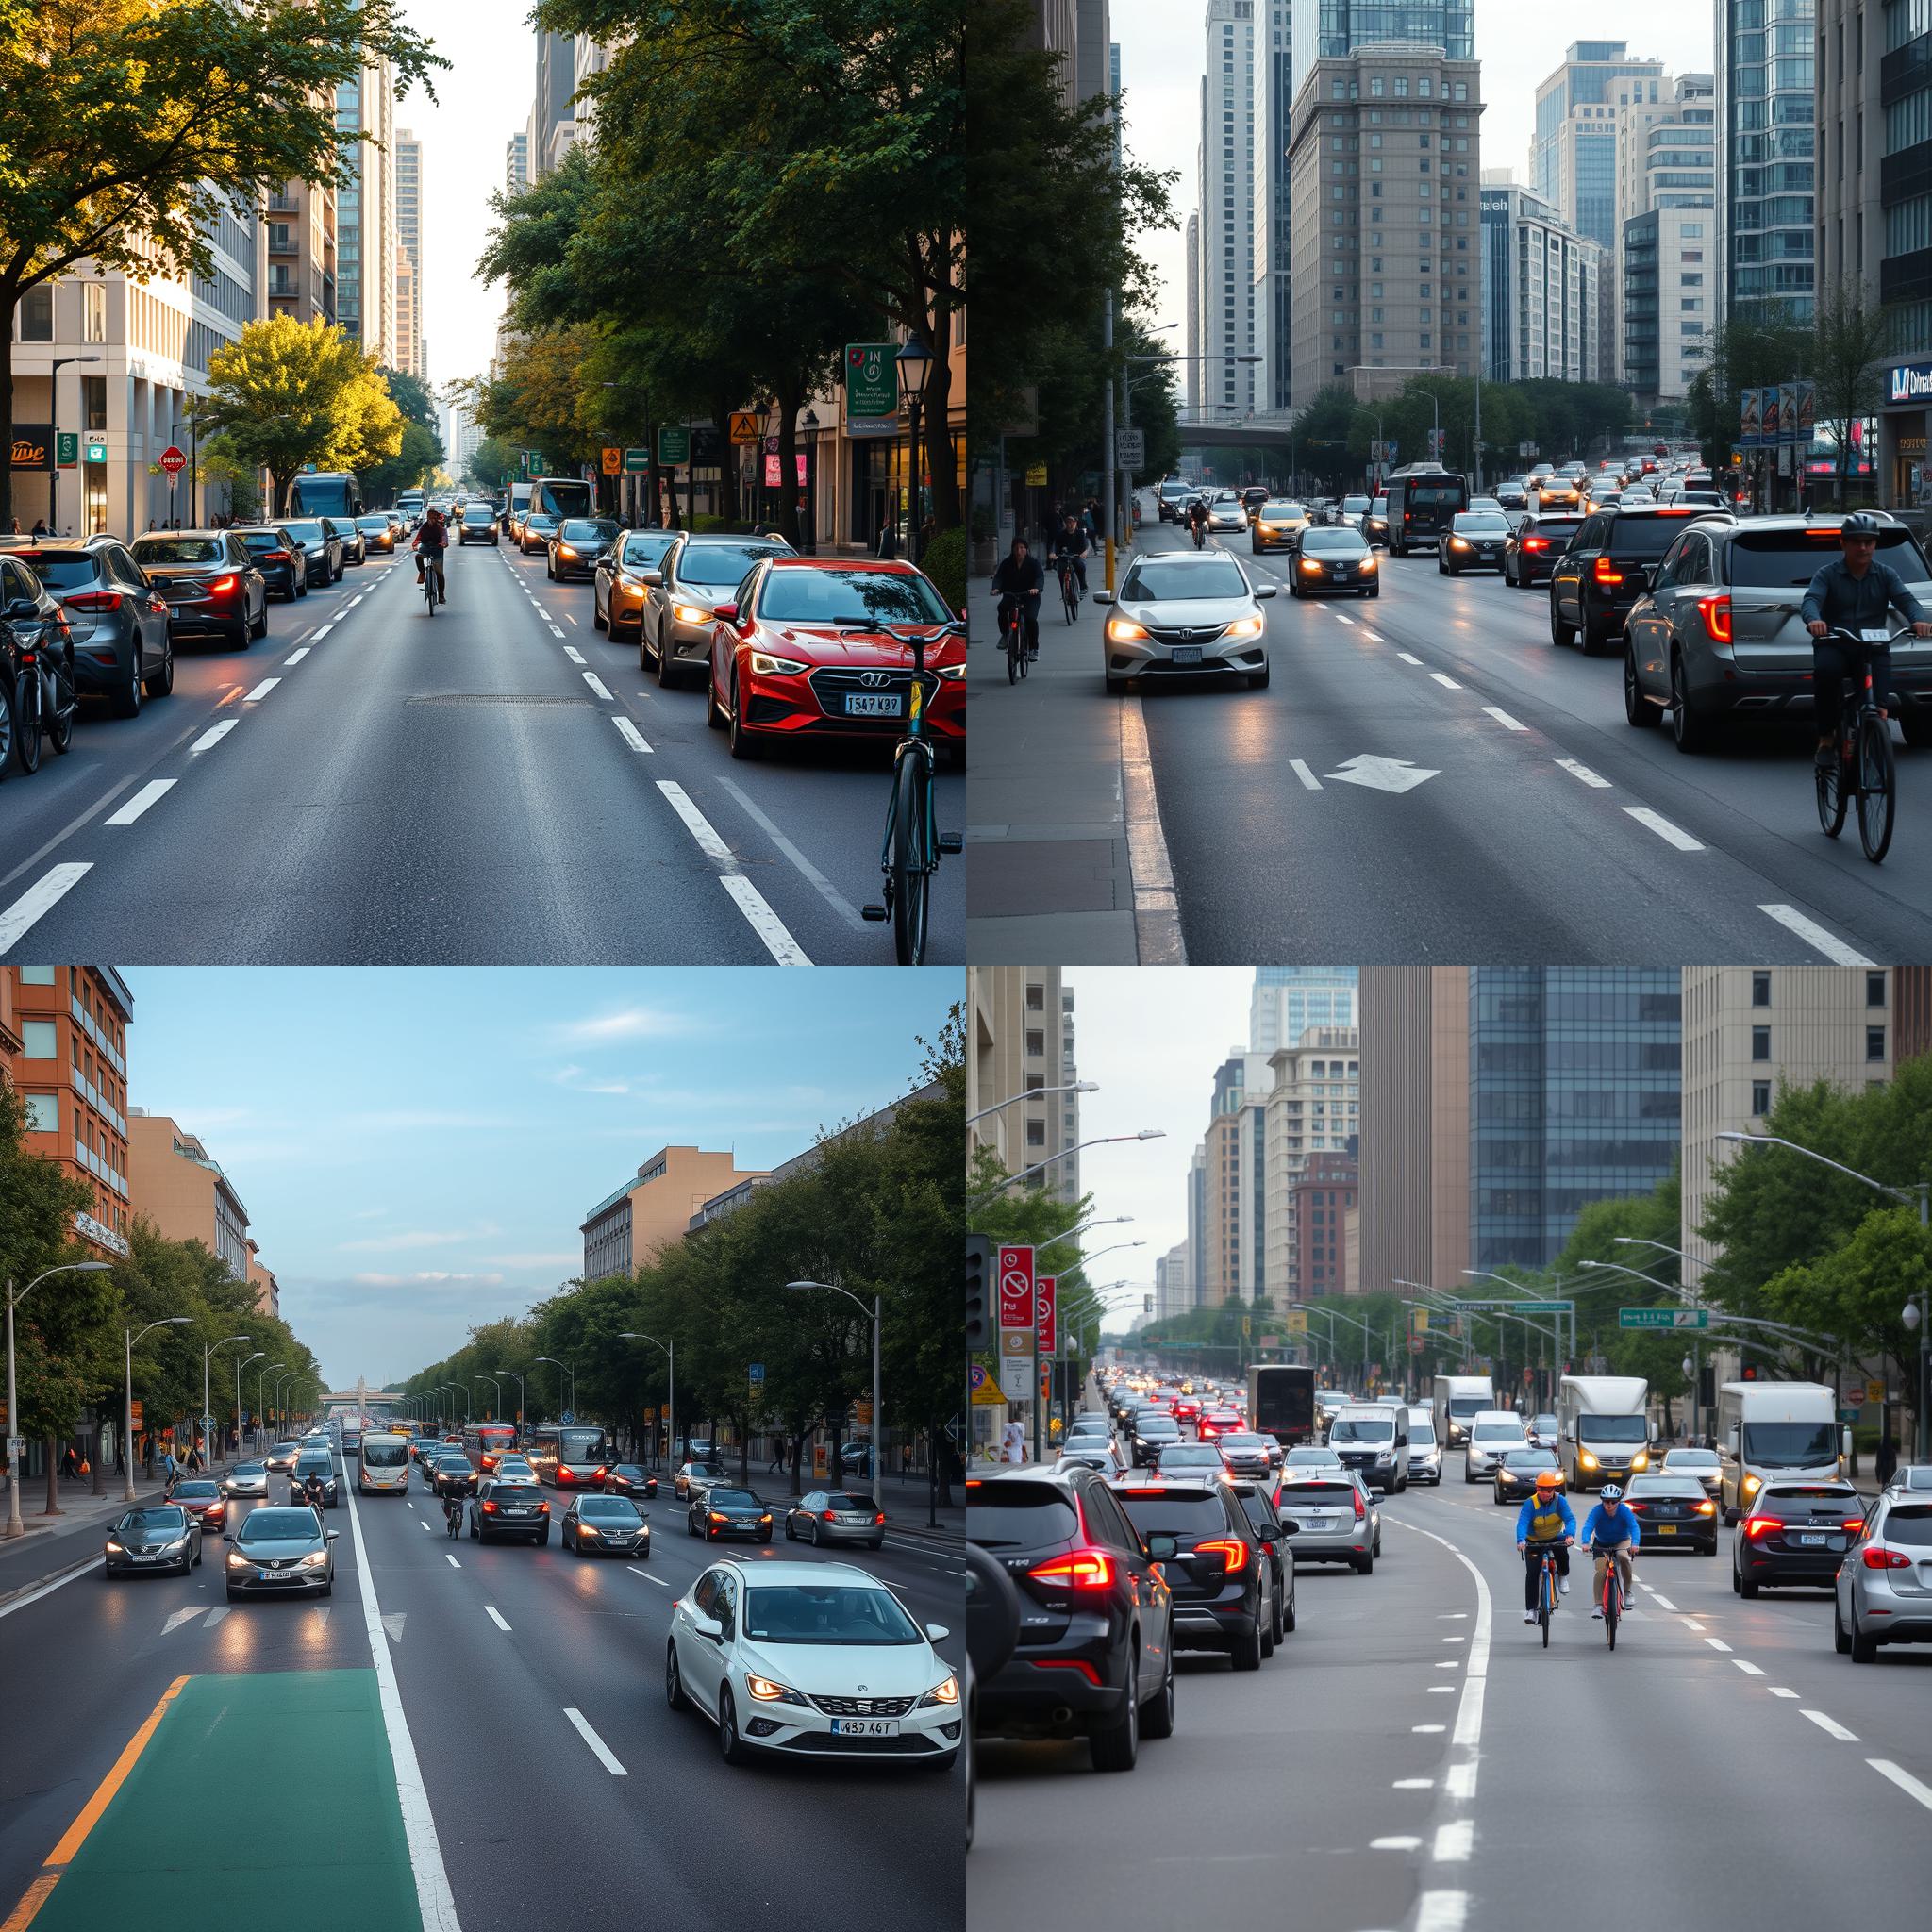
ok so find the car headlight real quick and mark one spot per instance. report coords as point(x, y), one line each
point(1246, 627)
point(314, 1559)
point(1309, 565)
point(1123, 630)
point(766, 665)
point(947, 670)
point(1458, 544)
point(766, 1516)
point(767, 1691)
point(1587, 1460)
point(945, 1691)
point(1368, 563)
point(1641, 1460)
point(564, 550)
point(237, 1561)
point(586, 1529)
point(114, 1549)
point(690, 613)
point(1750, 1485)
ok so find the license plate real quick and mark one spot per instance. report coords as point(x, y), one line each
point(148, 1559)
point(874, 705)
point(1184, 654)
point(1667, 1529)
point(865, 1727)
point(1808, 1540)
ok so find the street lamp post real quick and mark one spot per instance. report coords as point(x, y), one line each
point(670, 1349)
point(878, 1414)
point(1105, 1140)
point(261, 1376)
point(810, 424)
point(207, 1420)
point(512, 1375)
point(134, 1335)
point(563, 1369)
point(915, 364)
point(54, 430)
point(494, 1384)
point(241, 1363)
point(15, 1442)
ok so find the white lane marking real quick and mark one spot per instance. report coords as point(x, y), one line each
point(1413, 1784)
point(648, 1577)
point(262, 691)
point(1453, 1841)
point(323, 631)
point(557, 630)
point(452, 1562)
point(1831, 1726)
point(1428, 1731)
point(569, 619)
point(213, 735)
point(1460, 1782)
point(575, 655)
point(40, 898)
point(1690, 1622)
point(1717, 1643)
point(1815, 936)
point(392, 1623)
point(214, 1617)
point(1449, 1663)
point(631, 735)
point(1577, 768)
point(1441, 1911)
point(604, 1754)
point(1374, 634)
point(1443, 678)
point(1504, 718)
point(1749, 1669)
point(1299, 767)
point(496, 1616)
point(1442, 1689)
point(1670, 834)
point(354, 601)
point(295, 657)
point(1903, 1779)
point(1779, 1690)
point(153, 789)
point(434, 1899)
point(543, 613)
point(826, 890)
point(1407, 659)
point(179, 1618)
point(1340, 619)
point(598, 686)
point(420, 1523)
point(1663, 1603)
point(1456, 1638)
point(1453, 1617)
point(764, 922)
point(697, 825)
point(1396, 1844)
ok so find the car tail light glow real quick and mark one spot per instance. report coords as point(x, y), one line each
point(1536, 543)
point(1854, 1525)
point(880, 1516)
point(95, 600)
point(1716, 614)
point(1069, 1663)
point(829, 1515)
point(277, 556)
point(224, 587)
point(490, 1508)
point(1606, 570)
point(1075, 1569)
point(1759, 1528)
point(1876, 1556)
point(1360, 1511)
point(1706, 1508)
point(1231, 1547)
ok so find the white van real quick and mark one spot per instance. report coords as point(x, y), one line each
point(385, 1465)
point(1425, 1451)
point(1371, 1438)
point(1766, 1429)
point(1491, 1432)
point(1459, 1399)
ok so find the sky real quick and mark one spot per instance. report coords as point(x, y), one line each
point(1150, 1075)
point(417, 1147)
point(1161, 51)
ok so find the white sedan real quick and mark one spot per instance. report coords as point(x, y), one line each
point(1227, 514)
point(810, 1660)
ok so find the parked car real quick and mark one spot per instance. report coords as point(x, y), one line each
point(210, 583)
point(1190, 613)
point(322, 550)
point(278, 557)
point(578, 547)
point(354, 549)
point(118, 636)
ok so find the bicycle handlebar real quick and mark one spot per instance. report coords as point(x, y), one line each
point(1852, 637)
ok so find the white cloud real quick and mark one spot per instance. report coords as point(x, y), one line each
point(624, 1023)
point(419, 1238)
point(567, 1258)
point(435, 1278)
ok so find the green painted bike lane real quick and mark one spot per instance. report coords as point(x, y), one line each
point(342, 1847)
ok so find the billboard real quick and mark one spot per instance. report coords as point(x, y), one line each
point(1768, 430)
point(1805, 426)
point(1750, 431)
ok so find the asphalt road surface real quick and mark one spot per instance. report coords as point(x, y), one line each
point(495, 784)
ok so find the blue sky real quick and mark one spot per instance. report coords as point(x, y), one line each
point(417, 1146)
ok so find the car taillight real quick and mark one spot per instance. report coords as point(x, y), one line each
point(828, 1515)
point(1231, 1547)
point(1077, 1570)
point(1607, 572)
point(1360, 1511)
point(222, 586)
point(1706, 1508)
point(1759, 1528)
point(1536, 542)
point(1876, 1556)
point(878, 1516)
point(490, 1508)
point(1716, 614)
point(1854, 1525)
point(1068, 1663)
point(95, 600)
point(277, 556)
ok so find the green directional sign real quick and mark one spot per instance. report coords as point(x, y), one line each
point(871, 379)
point(674, 445)
point(1540, 1308)
point(637, 460)
point(1663, 1318)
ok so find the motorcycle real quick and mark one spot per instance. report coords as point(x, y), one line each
point(44, 703)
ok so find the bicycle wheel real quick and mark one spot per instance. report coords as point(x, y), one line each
point(1611, 1599)
point(1831, 780)
point(1069, 598)
point(911, 875)
point(26, 726)
point(1878, 787)
point(1015, 653)
point(1545, 1605)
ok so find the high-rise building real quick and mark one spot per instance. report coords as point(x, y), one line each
point(366, 214)
point(1766, 146)
point(1385, 182)
point(1415, 1126)
point(1328, 29)
point(409, 203)
point(1172, 1294)
point(1227, 200)
point(1665, 286)
point(1234, 1197)
point(1542, 289)
point(1273, 103)
point(1093, 48)
point(1575, 1096)
point(180, 1187)
point(1067, 1179)
point(1911, 1005)
point(1021, 1040)
point(553, 113)
point(588, 56)
point(299, 251)
point(1313, 1117)
point(655, 1207)
point(1190, 377)
point(1749, 1030)
point(1319, 1206)
point(1288, 1000)
point(1197, 1223)
point(1877, 78)
point(516, 161)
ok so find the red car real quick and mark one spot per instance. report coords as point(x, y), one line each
point(1217, 1421)
point(1187, 1409)
point(202, 1497)
point(803, 654)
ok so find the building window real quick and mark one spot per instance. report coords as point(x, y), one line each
point(93, 313)
point(1874, 1042)
point(43, 1113)
point(1760, 989)
point(1036, 1043)
point(37, 314)
point(37, 1039)
point(1036, 999)
point(36, 975)
point(1761, 1042)
point(1874, 988)
point(1036, 1133)
point(1760, 1098)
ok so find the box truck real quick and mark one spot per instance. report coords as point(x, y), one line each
point(1766, 1429)
point(1458, 1398)
point(1604, 1434)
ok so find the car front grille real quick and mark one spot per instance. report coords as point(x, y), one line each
point(863, 1707)
point(1190, 634)
point(833, 686)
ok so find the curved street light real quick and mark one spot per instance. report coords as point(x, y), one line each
point(15, 1442)
point(567, 1370)
point(670, 1397)
point(134, 1335)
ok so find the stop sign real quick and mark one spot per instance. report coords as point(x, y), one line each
point(173, 462)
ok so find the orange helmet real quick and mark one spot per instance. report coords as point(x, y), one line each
point(1545, 1479)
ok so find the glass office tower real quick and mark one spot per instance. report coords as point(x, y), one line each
point(1331, 28)
point(1766, 79)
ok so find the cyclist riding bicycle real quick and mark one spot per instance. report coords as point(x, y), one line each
point(432, 542)
point(1018, 580)
point(1854, 592)
point(1197, 517)
point(1611, 1530)
point(1070, 541)
point(1544, 1522)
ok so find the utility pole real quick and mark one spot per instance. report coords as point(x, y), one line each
point(1110, 509)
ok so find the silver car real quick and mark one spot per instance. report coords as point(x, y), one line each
point(1718, 633)
point(1882, 1590)
point(1197, 613)
point(283, 1552)
point(835, 1516)
point(246, 1479)
point(1336, 1519)
point(1227, 514)
point(1247, 1454)
point(698, 574)
point(162, 1535)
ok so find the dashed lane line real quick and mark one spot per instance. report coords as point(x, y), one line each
point(575, 655)
point(1443, 678)
point(40, 898)
point(1504, 718)
point(1300, 768)
point(605, 1756)
point(824, 888)
point(1814, 935)
point(1903, 1779)
point(770, 928)
point(154, 789)
point(213, 735)
point(1831, 1727)
point(631, 735)
point(1670, 834)
point(496, 1616)
point(295, 657)
point(598, 686)
point(262, 691)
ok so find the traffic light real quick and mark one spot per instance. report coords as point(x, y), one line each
point(1747, 1374)
point(978, 1267)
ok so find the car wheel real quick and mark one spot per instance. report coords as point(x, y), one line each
point(1287, 1615)
point(1688, 732)
point(598, 621)
point(159, 683)
point(791, 1531)
point(1156, 1719)
point(260, 628)
point(1638, 709)
point(1118, 1746)
point(1747, 1588)
point(1364, 1565)
point(674, 1682)
point(1864, 1649)
point(1267, 1631)
point(742, 744)
point(1840, 1640)
point(1560, 631)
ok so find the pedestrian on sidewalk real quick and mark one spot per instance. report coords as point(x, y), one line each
point(1888, 1456)
point(70, 1463)
point(1013, 1442)
point(777, 1465)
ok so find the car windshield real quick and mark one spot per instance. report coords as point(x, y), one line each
point(1485, 523)
point(1691, 1459)
point(1023, 1515)
point(63, 572)
point(251, 1468)
point(1806, 1497)
point(1333, 542)
point(1422, 1434)
point(384, 1455)
point(1157, 581)
point(1152, 1426)
point(376, 524)
point(165, 1518)
point(1647, 535)
point(177, 550)
point(1790, 1445)
point(456, 1464)
point(1530, 1459)
point(1495, 1432)
point(273, 1526)
point(1362, 1428)
point(1281, 512)
point(721, 563)
point(615, 1508)
point(306, 532)
point(1611, 1429)
point(1434, 494)
point(1543, 1424)
point(478, 514)
point(307, 1466)
point(646, 548)
point(587, 530)
point(1190, 1456)
point(830, 1613)
point(850, 596)
point(1355, 505)
point(199, 1486)
point(1325, 1493)
point(1311, 1459)
point(733, 1499)
point(1788, 559)
point(1190, 1513)
point(1240, 1439)
point(628, 1470)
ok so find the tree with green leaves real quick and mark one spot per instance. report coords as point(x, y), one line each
point(1850, 336)
point(131, 128)
point(1757, 344)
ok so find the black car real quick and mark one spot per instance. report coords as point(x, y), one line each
point(1257, 1500)
point(1334, 557)
point(316, 1462)
point(1475, 541)
point(1796, 1532)
point(320, 548)
point(344, 530)
point(722, 1511)
point(1375, 524)
point(501, 1508)
point(1154, 1431)
point(160, 1537)
point(627, 1479)
point(1215, 1562)
point(451, 1475)
point(478, 525)
point(1095, 1655)
point(116, 622)
point(281, 559)
point(1535, 544)
point(1518, 1468)
point(579, 546)
point(604, 1527)
point(1675, 1511)
point(210, 582)
point(1601, 574)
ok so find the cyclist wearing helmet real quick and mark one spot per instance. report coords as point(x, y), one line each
point(1544, 1520)
point(1611, 1530)
point(1854, 592)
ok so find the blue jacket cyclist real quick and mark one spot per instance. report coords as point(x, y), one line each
point(1611, 1529)
point(1544, 1520)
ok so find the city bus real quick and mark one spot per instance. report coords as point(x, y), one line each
point(484, 1442)
point(325, 493)
point(384, 1465)
point(569, 1455)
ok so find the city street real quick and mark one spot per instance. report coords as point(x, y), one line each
point(1412, 1757)
point(1426, 778)
point(530, 1683)
point(497, 783)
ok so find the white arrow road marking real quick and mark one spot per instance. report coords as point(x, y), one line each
point(1670, 834)
point(153, 789)
point(39, 898)
point(179, 1618)
point(392, 1623)
point(1504, 718)
point(604, 1754)
point(1815, 935)
point(1382, 775)
point(213, 736)
point(214, 1617)
point(1299, 767)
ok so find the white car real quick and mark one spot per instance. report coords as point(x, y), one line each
point(810, 1660)
point(1192, 613)
point(1227, 514)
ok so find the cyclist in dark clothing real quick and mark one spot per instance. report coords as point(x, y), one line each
point(1018, 580)
point(1070, 541)
point(1854, 592)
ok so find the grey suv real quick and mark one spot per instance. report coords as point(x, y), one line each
point(1884, 1586)
point(1717, 632)
point(118, 618)
point(1196, 613)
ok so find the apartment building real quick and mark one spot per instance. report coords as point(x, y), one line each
point(181, 1188)
point(1320, 1202)
point(1226, 160)
point(1273, 238)
point(1021, 1046)
point(1542, 290)
point(1767, 112)
point(655, 1207)
point(1313, 1109)
point(410, 355)
point(1667, 268)
point(366, 214)
point(299, 268)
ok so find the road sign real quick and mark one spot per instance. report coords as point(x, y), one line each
point(173, 462)
point(1848, 1415)
point(985, 1392)
point(1016, 1377)
point(1539, 1307)
point(758, 1373)
point(1415, 1345)
point(1874, 1391)
point(96, 451)
point(1663, 1318)
point(134, 1410)
point(871, 379)
point(1297, 1321)
point(745, 427)
point(1015, 1287)
point(16, 1448)
point(674, 445)
point(1036, 475)
point(568, 1416)
point(1046, 1304)
point(637, 460)
point(1129, 448)
point(613, 461)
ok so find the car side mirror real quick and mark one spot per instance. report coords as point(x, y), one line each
point(1649, 575)
point(1268, 1533)
point(1264, 589)
point(938, 1632)
point(1160, 1546)
point(1103, 596)
point(725, 613)
point(23, 607)
point(1286, 1528)
point(708, 1627)
point(332, 1533)
point(655, 579)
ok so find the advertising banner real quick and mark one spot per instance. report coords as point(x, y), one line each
point(1750, 432)
point(33, 445)
point(1788, 412)
point(1767, 429)
point(1808, 411)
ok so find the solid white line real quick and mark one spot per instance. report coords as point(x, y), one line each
point(1749, 1669)
point(1443, 678)
point(1717, 1643)
point(1407, 659)
point(153, 789)
point(1396, 1844)
point(452, 1562)
point(39, 898)
point(1903, 1779)
point(1461, 1781)
point(496, 1616)
point(1441, 1911)
point(1816, 936)
point(323, 631)
point(575, 655)
point(1577, 768)
point(764, 922)
point(605, 1755)
point(630, 733)
point(434, 1899)
point(1453, 1841)
point(1670, 834)
point(1299, 767)
point(295, 657)
point(1413, 1784)
point(648, 1577)
point(697, 825)
point(262, 691)
point(598, 686)
point(826, 890)
point(213, 736)
point(1504, 718)
point(1831, 1726)
point(86, 1567)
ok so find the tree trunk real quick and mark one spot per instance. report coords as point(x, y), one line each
point(9, 301)
point(278, 490)
point(53, 1446)
point(790, 401)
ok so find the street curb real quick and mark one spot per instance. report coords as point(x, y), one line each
point(1150, 871)
point(52, 1576)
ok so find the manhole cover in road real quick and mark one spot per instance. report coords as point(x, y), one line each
point(510, 699)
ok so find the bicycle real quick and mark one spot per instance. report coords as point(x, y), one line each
point(1614, 1589)
point(1199, 527)
point(913, 844)
point(43, 700)
point(1864, 751)
point(1013, 637)
point(1546, 1595)
point(1070, 589)
point(433, 589)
